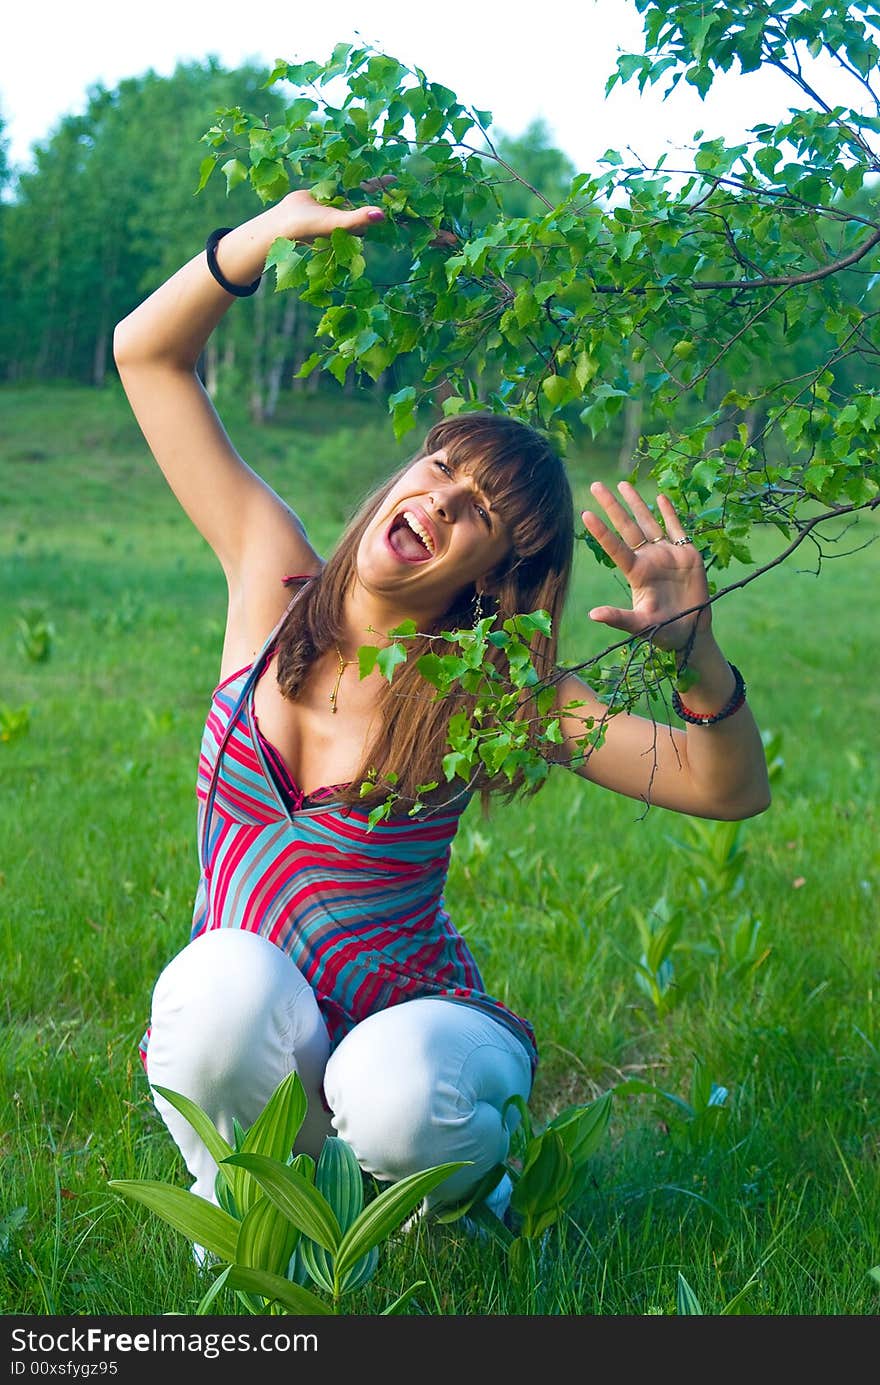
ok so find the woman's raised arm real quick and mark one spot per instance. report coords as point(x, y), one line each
point(251, 530)
point(717, 769)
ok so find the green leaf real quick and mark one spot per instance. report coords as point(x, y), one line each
point(339, 1178)
point(199, 1220)
point(368, 655)
point(558, 390)
point(397, 1307)
point(266, 1239)
point(402, 406)
point(582, 1128)
point(277, 1290)
point(308, 365)
point(527, 623)
point(272, 1134)
point(318, 1263)
point(540, 1190)
point(487, 1184)
point(217, 1147)
point(434, 670)
point(687, 1303)
point(204, 1304)
point(293, 1195)
point(389, 659)
point(235, 172)
point(206, 168)
point(274, 1131)
point(345, 246)
point(288, 263)
point(387, 1211)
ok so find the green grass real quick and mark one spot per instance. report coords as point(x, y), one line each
point(98, 869)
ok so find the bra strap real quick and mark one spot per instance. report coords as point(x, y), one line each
point(253, 675)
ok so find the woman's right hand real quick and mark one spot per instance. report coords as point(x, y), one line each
point(300, 217)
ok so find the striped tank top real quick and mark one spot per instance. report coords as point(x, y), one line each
point(359, 910)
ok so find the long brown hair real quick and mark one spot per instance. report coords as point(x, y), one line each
point(527, 485)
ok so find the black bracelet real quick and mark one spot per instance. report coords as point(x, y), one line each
point(737, 698)
point(239, 290)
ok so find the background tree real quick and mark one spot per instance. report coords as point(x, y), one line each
point(737, 283)
point(111, 204)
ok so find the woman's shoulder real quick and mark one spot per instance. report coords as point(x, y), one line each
point(255, 615)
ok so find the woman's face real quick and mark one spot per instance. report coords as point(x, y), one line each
point(434, 534)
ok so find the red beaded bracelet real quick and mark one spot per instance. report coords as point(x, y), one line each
point(737, 698)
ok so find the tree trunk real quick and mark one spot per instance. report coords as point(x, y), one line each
point(280, 353)
point(99, 359)
point(633, 413)
point(302, 348)
point(257, 397)
point(210, 365)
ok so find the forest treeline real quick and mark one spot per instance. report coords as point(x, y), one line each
point(110, 209)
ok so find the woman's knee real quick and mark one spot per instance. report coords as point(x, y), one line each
point(232, 1015)
point(425, 1083)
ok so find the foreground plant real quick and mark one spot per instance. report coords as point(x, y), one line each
point(549, 1171)
point(283, 1219)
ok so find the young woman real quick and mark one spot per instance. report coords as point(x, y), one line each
point(318, 944)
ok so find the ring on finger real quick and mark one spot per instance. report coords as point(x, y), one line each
point(678, 543)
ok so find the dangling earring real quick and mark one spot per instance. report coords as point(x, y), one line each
point(478, 607)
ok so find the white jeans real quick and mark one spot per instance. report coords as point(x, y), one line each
point(418, 1084)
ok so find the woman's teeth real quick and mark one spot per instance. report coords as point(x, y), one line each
point(419, 530)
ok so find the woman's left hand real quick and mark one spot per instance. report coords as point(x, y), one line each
point(662, 566)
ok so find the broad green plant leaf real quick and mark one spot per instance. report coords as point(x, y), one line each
point(339, 1179)
point(293, 1195)
point(199, 1220)
point(277, 1290)
point(272, 1134)
point(266, 1238)
point(387, 1211)
point(216, 1145)
point(318, 1264)
point(539, 1193)
point(686, 1301)
point(582, 1128)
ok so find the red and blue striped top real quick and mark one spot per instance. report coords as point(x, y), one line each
point(359, 910)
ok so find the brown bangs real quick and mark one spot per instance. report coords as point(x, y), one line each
point(521, 476)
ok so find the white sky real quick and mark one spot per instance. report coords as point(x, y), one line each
point(519, 59)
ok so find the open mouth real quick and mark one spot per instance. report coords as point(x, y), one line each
point(409, 538)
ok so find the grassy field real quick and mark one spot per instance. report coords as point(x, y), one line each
point(778, 1215)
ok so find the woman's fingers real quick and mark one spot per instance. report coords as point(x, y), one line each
point(617, 549)
point(618, 618)
point(361, 218)
point(673, 524)
point(648, 523)
point(634, 528)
